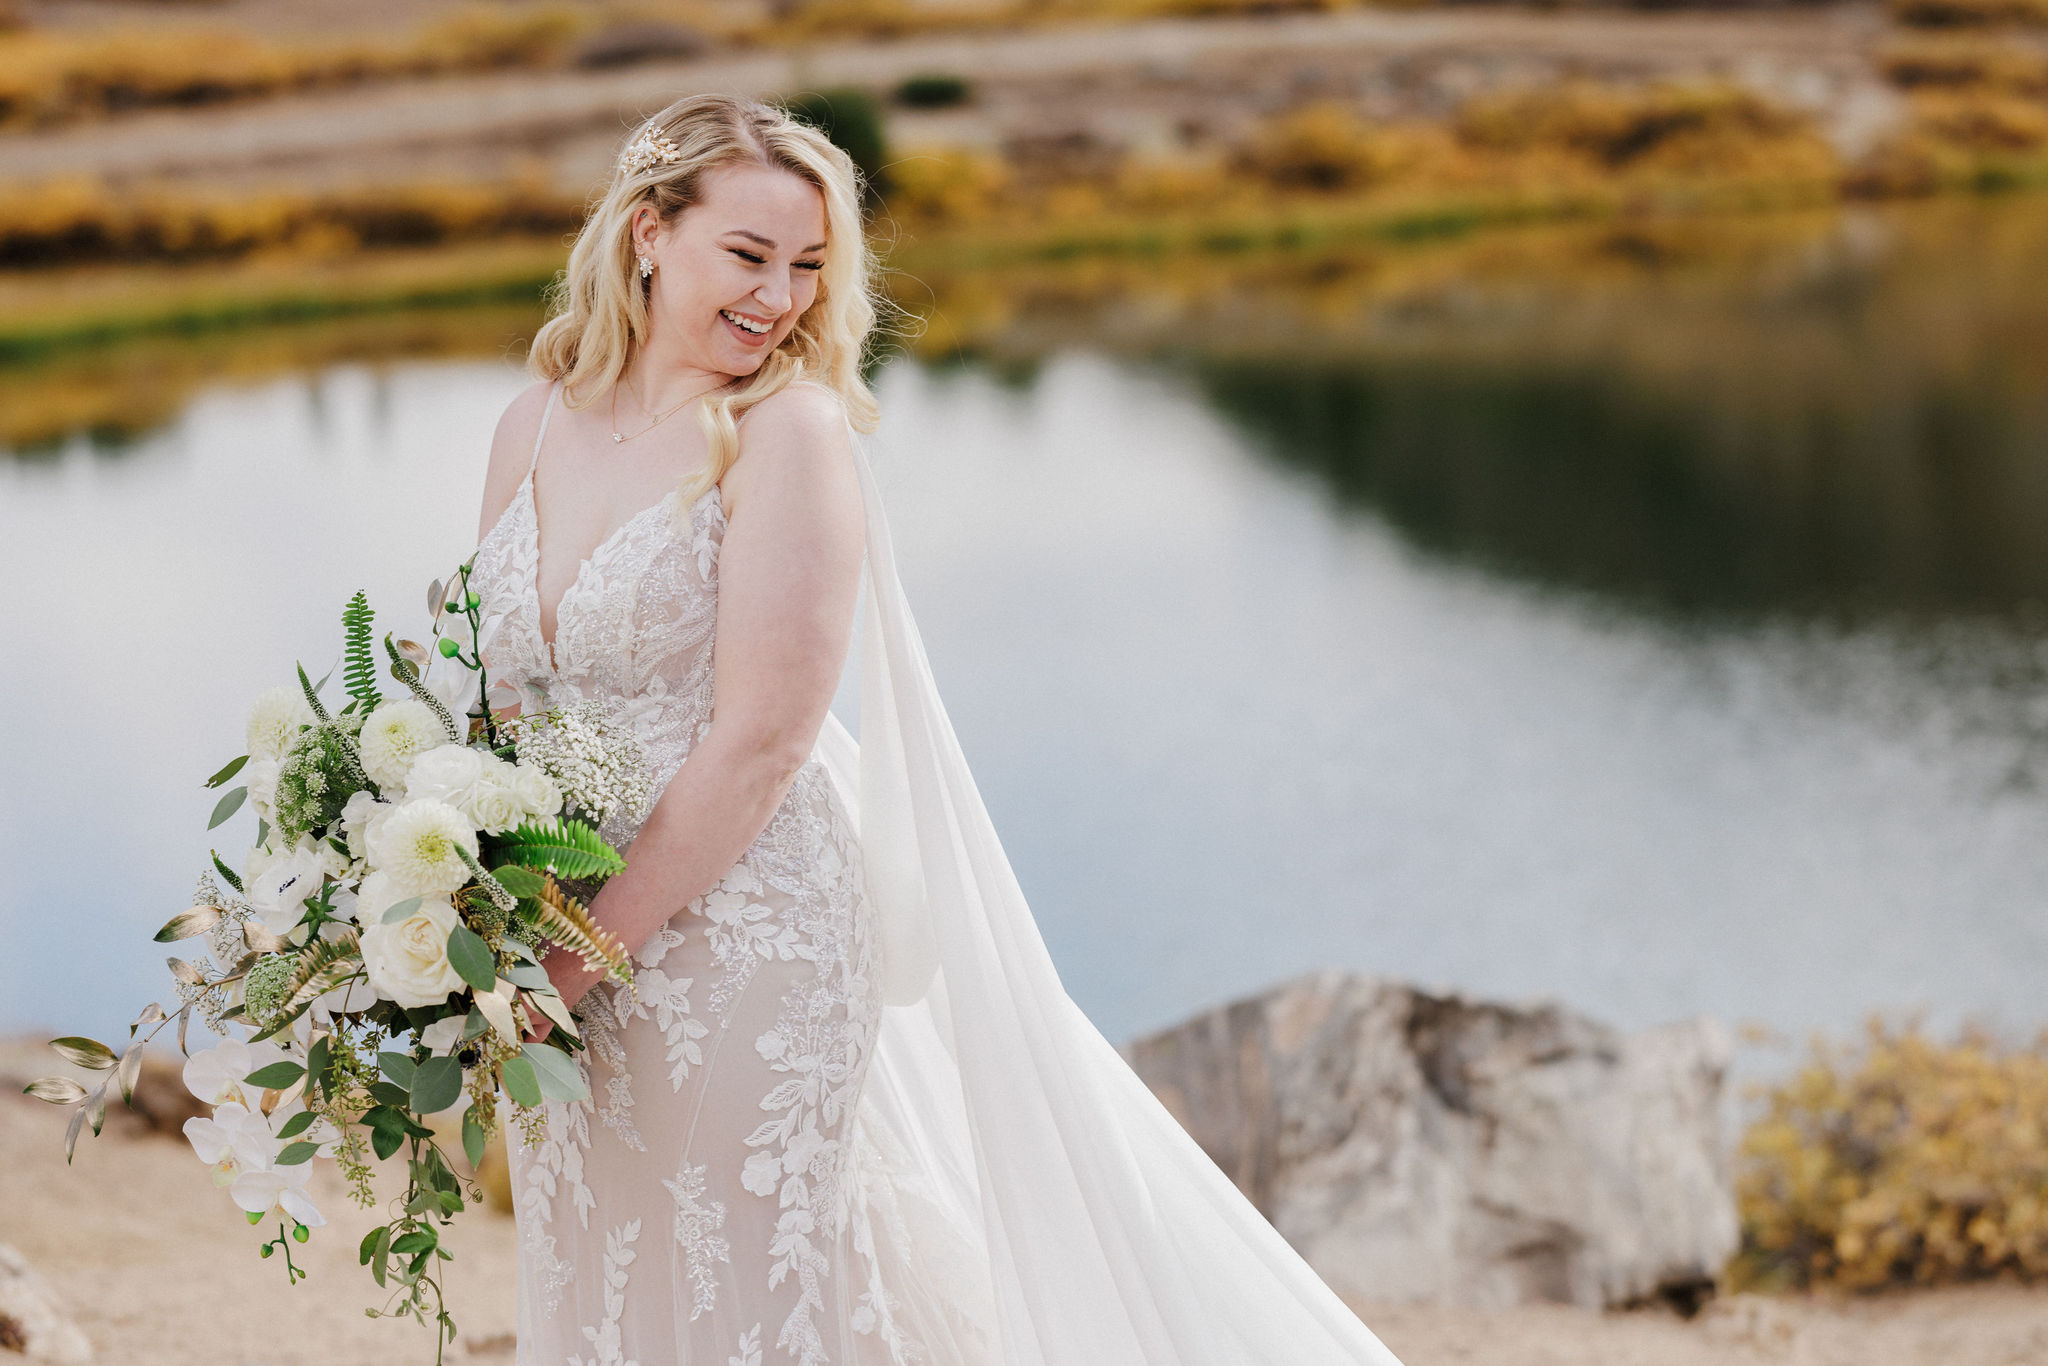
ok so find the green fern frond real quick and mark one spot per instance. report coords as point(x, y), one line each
point(408, 673)
point(567, 848)
point(359, 662)
point(563, 920)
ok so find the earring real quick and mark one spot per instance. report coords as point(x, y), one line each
point(646, 267)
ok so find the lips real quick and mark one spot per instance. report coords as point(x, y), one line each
point(751, 338)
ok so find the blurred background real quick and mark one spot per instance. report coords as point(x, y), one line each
point(1543, 503)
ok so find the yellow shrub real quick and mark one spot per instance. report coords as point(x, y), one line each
point(1965, 64)
point(946, 186)
point(1623, 126)
point(1980, 122)
point(1322, 146)
point(1902, 1161)
point(1168, 185)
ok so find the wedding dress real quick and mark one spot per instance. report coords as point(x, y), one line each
point(847, 1114)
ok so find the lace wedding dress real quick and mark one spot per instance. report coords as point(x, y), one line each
point(847, 1114)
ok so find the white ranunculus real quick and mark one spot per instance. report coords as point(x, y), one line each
point(279, 895)
point(261, 777)
point(538, 793)
point(419, 847)
point(395, 735)
point(274, 722)
point(408, 959)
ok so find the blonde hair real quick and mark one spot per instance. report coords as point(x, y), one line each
point(598, 306)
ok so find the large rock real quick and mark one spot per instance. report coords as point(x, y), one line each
point(32, 1323)
point(1420, 1148)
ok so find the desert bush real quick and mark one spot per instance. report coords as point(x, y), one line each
point(1692, 124)
point(1965, 64)
point(933, 90)
point(1902, 1161)
point(1321, 146)
point(946, 186)
point(1968, 13)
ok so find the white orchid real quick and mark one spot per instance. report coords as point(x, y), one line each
point(215, 1075)
point(242, 1148)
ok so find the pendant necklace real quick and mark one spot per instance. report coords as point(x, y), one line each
point(619, 436)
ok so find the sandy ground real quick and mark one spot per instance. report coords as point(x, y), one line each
point(161, 1270)
point(1061, 93)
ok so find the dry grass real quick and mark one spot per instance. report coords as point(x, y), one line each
point(1900, 1162)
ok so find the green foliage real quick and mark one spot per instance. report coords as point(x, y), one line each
point(406, 672)
point(359, 663)
point(472, 959)
point(268, 985)
point(853, 121)
point(567, 848)
point(1905, 1161)
point(319, 774)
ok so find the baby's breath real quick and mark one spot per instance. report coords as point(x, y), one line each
point(595, 759)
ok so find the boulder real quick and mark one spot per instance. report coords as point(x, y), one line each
point(1428, 1149)
point(33, 1324)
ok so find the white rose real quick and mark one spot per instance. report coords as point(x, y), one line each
point(497, 805)
point(359, 818)
point(408, 959)
point(274, 722)
point(419, 847)
point(538, 793)
point(396, 734)
point(261, 776)
point(479, 785)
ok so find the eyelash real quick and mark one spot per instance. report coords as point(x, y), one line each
point(756, 260)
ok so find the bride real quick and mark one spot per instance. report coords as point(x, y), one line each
point(845, 1113)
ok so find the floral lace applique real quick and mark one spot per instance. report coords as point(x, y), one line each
point(697, 1233)
point(555, 1163)
point(604, 1339)
point(750, 1349)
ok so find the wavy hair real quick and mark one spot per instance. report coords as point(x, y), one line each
point(598, 305)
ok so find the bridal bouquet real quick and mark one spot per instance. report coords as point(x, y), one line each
point(375, 962)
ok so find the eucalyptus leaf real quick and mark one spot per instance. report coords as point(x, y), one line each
point(234, 766)
point(228, 806)
point(297, 1124)
point(398, 1067)
point(472, 958)
point(185, 924)
point(84, 1052)
point(473, 1138)
point(436, 1085)
point(295, 1153)
point(522, 1082)
point(474, 1025)
point(530, 975)
point(550, 1004)
point(56, 1090)
point(557, 1072)
point(399, 910)
point(519, 948)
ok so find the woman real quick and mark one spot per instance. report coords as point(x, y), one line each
point(845, 1113)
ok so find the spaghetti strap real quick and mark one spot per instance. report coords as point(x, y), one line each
point(545, 414)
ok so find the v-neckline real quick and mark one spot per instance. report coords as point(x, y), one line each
point(583, 567)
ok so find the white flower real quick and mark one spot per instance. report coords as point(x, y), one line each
point(538, 792)
point(762, 1174)
point(419, 847)
point(442, 1036)
point(396, 734)
point(481, 786)
point(408, 959)
point(278, 1190)
point(261, 776)
point(242, 1148)
point(257, 860)
point(278, 895)
point(274, 722)
point(362, 814)
point(215, 1074)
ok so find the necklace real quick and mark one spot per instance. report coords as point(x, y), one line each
point(619, 436)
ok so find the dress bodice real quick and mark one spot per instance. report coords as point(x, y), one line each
point(634, 630)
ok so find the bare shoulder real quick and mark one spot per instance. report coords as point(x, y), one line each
point(795, 438)
point(512, 450)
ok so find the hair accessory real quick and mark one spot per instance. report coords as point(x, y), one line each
point(646, 266)
point(647, 151)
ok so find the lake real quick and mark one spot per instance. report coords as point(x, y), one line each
point(1662, 640)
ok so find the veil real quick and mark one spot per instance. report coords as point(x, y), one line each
point(1024, 1198)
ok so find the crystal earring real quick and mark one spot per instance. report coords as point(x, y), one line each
point(646, 266)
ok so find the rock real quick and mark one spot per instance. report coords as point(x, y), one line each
point(32, 1323)
point(1420, 1148)
point(161, 1100)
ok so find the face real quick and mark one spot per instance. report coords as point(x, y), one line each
point(734, 272)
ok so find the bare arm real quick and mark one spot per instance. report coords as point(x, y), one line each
point(788, 577)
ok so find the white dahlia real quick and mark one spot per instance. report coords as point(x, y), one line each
point(396, 734)
point(274, 722)
point(419, 848)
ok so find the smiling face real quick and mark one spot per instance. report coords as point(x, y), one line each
point(735, 271)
